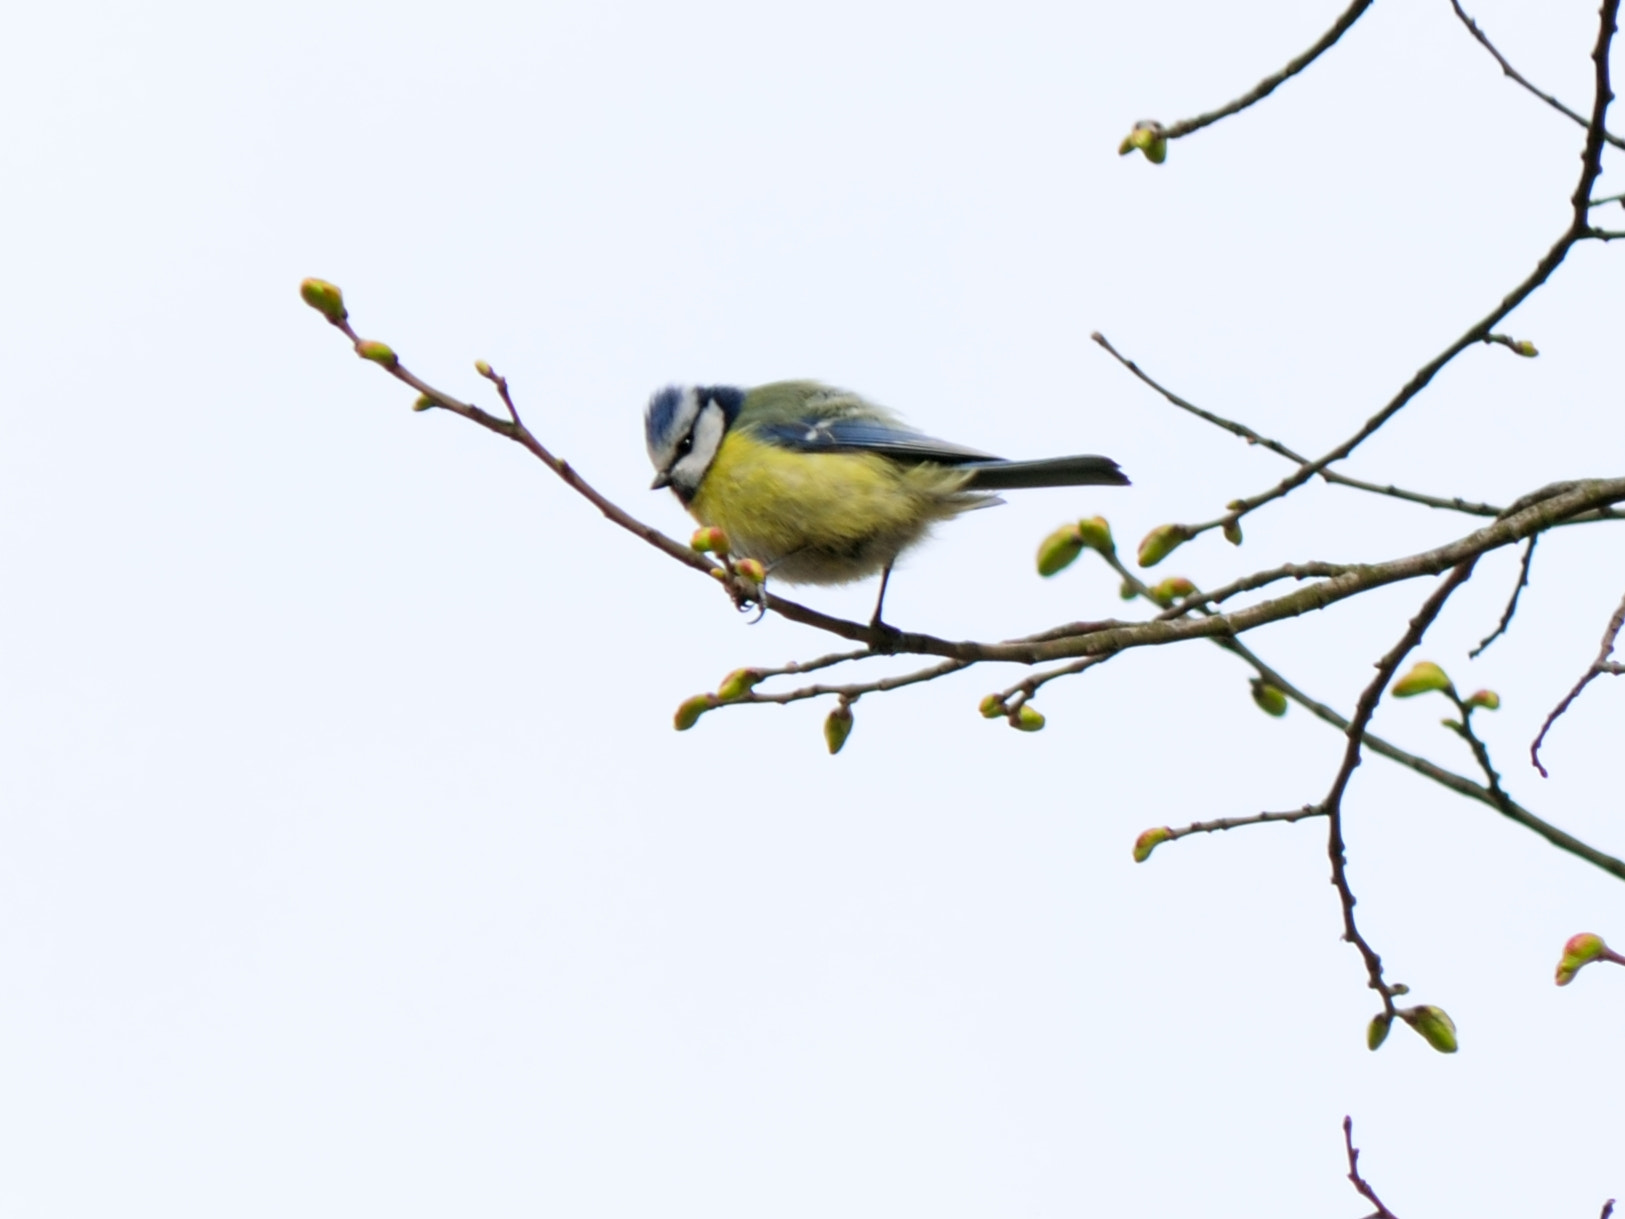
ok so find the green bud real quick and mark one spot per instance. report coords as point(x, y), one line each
point(991, 707)
point(1232, 532)
point(1127, 591)
point(1270, 700)
point(1174, 588)
point(325, 298)
point(738, 684)
point(837, 727)
point(751, 571)
point(710, 540)
point(1434, 1024)
point(1579, 952)
point(1425, 676)
point(424, 403)
point(1148, 137)
point(481, 367)
point(1525, 348)
point(1097, 534)
point(1028, 719)
point(1487, 699)
point(1162, 542)
point(1377, 1031)
point(1057, 551)
point(718, 573)
point(378, 353)
point(1149, 841)
point(689, 712)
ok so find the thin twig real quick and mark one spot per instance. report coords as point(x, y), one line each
point(1598, 667)
point(1270, 83)
point(1359, 1182)
point(1512, 605)
point(1333, 803)
point(1509, 70)
point(1235, 428)
point(854, 690)
point(1232, 823)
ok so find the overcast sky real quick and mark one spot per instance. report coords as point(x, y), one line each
point(349, 863)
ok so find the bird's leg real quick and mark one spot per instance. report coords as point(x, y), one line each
point(883, 638)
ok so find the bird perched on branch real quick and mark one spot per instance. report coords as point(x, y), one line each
point(821, 486)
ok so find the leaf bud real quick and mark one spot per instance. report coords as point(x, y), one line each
point(751, 571)
point(838, 726)
point(1097, 534)
point(710, 540)
point(424, 403)
point(481, 367)
point(1579, 952)
point(1028, 719)
point(1162, 542)
point(992, 707)
point(1271, 700)
point(1377, 1031)
point(378, 353)
point(1232, 532)
point(690, 710)
point(1147, 135)
point(1127, 591)
point(325, 298)
point(1166, 592)
point(738, 684)
point(1487, 699)
point(1056, 552)
point(1434, 1024)
point(1425, 676)
point(1149, 841)
point(1525, 348)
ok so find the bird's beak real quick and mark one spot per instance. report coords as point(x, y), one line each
point(663, 479)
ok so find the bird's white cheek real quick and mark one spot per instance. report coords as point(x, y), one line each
point(688, 472)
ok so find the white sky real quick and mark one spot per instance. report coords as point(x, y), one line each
point(348, 861)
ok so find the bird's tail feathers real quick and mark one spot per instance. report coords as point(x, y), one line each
point(1047, 472)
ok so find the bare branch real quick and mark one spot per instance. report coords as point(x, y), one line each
point(1233, 823)
point(1333, 804)
point(1454, 504)
point(1270, 83)
point(1509, 70)
point(1359, 1182)
point(1512, 605)
point(1598, 667)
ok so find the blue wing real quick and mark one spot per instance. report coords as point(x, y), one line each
point(867, 436)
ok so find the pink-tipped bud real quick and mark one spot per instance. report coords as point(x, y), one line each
point(1097, 534)
point(1162, 542)
point(1434, 1024)
point(1149, 841)
point(378, 353)
point(325, 298)
point(690, 710)
point(738, 684)
point(710, 540)
point(1579, 952)
point(751, 571)
point(1166, 592)
point(1057, 551)
point(1270, 699)
point(1487, 699)
point(837, 727)
point(1424, 677)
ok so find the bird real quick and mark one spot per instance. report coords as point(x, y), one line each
point(820, 485)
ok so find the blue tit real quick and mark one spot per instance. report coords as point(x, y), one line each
point(821, 486)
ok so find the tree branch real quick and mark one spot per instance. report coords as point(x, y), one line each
point(1598, 667)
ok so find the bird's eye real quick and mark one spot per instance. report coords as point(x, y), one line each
point(686, 445)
